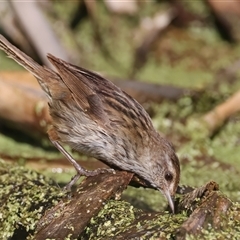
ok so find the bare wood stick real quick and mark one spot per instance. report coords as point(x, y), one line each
point(23, 106)
point(155, 26)
point(147, 92)
point(43, 43)
point(216, 117)
point(227, 17)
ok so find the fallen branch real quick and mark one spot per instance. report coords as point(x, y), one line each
point(43, 44)
point(150, 30)
point(216, 117)
point(23, 104)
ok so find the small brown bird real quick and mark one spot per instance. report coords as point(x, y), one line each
point(97, 118)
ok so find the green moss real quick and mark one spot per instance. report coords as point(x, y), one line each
point(165, 74)
point(118, 217)
point(23, 200)
point(113, 218)
point(23, 149)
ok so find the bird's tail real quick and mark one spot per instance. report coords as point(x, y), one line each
point(43, 74)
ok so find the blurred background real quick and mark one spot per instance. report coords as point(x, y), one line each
point(180, 59)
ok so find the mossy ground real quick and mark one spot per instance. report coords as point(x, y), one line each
point(23, 201)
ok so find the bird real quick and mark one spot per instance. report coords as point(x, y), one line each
point(95, 117)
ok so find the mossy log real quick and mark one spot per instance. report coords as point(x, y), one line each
point(33, 207)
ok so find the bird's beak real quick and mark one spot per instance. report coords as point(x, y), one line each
point(170, 200)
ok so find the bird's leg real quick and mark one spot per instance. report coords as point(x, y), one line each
point(80, 170)
point(74, 179)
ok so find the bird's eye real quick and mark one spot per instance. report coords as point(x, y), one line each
point(169, 177)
